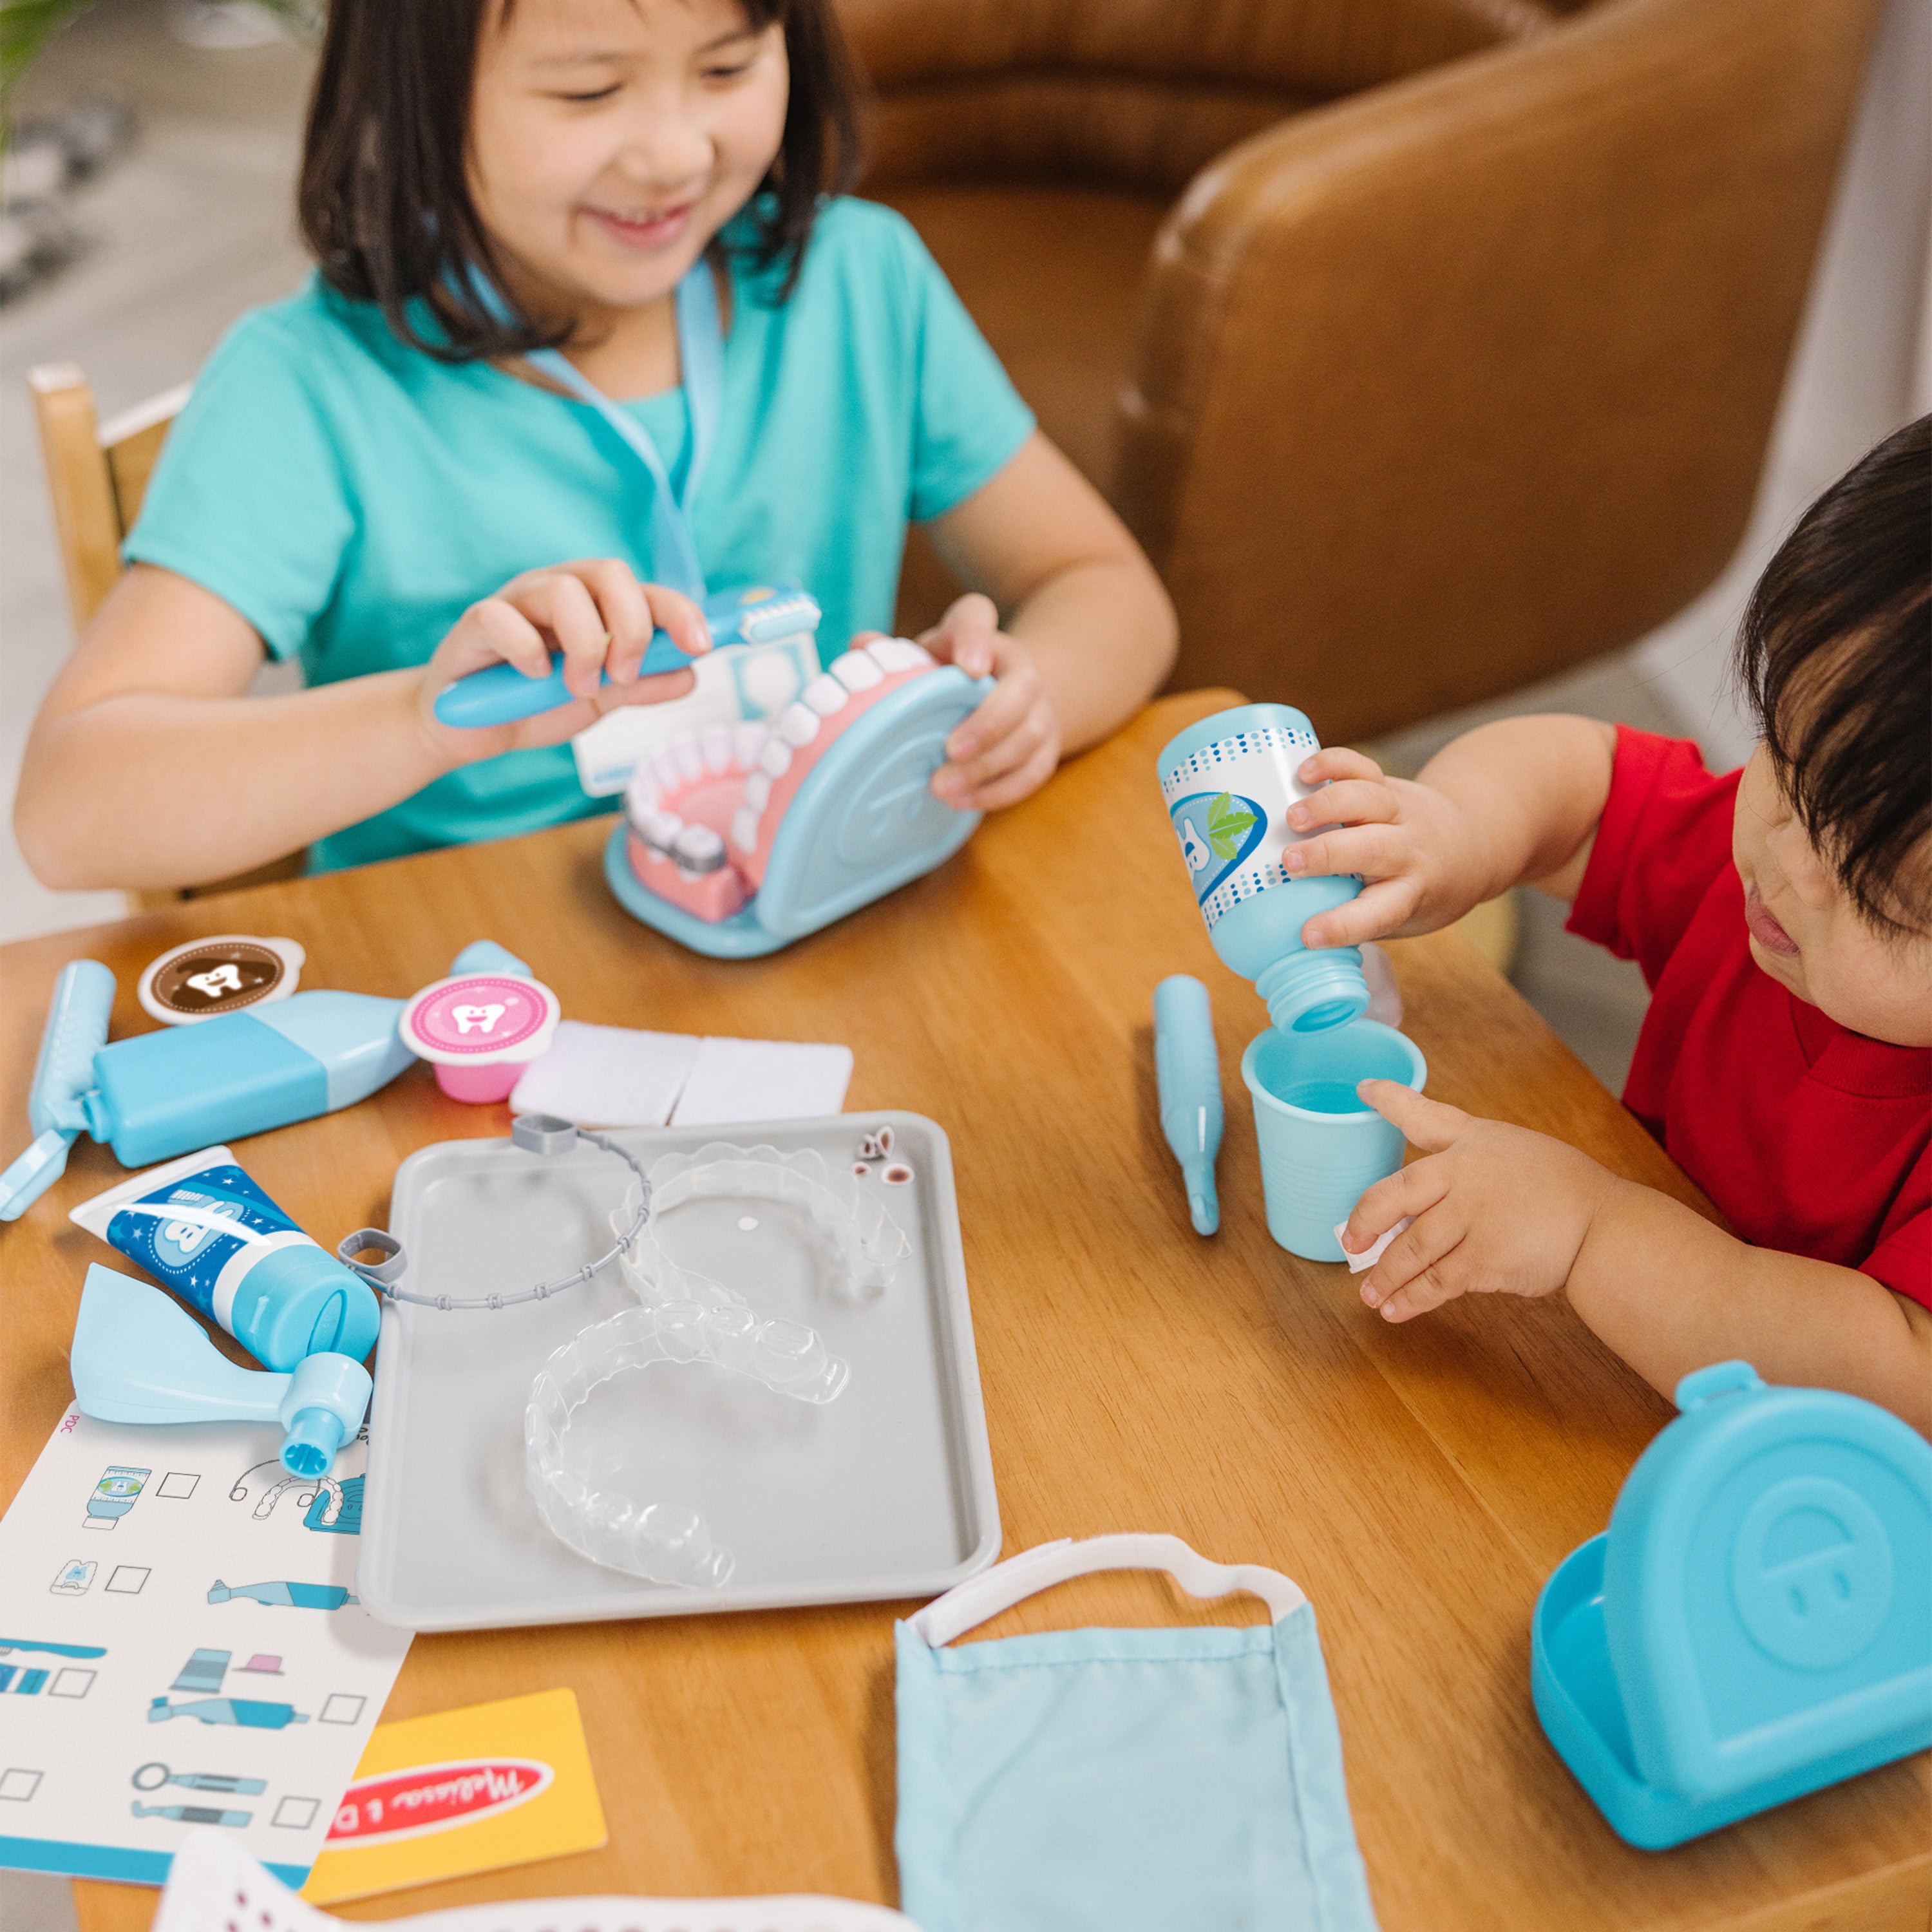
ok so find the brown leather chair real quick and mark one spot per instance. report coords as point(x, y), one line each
point(1454, 361)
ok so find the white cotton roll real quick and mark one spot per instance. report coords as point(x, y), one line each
point(857, 671)
point(799, 726)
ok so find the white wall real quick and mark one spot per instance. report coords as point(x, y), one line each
point(1863, 367)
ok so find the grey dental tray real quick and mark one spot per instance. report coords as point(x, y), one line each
point(886, 1492)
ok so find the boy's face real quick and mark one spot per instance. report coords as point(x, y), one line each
point(610, 140)
point(1807, 932)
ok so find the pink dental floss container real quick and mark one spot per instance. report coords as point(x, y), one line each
point(479, 1030)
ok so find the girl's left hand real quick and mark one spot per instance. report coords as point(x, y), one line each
point(1495, 1209)
point(1009, 748)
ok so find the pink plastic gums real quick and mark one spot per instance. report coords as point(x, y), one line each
point(704, 810)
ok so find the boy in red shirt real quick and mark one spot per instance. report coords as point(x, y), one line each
point(1783, 918)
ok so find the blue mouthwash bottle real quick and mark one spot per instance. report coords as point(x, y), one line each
point(1228, 782)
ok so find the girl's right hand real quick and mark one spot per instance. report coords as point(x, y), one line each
point(594, 611)
point(1421, 860)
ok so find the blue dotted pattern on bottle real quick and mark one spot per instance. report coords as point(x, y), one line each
point(1206, 762)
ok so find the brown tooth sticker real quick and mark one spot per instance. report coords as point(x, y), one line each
point(224, 974)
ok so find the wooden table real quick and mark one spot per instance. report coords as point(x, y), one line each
point(1421, 1483)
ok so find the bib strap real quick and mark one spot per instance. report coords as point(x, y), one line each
point(969, 1604)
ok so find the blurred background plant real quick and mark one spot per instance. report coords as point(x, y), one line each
point(42, 156)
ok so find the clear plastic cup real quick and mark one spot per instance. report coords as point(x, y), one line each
point(1320, 1147)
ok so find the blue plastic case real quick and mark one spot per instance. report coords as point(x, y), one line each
point(863, 824)
point(1757, 1622)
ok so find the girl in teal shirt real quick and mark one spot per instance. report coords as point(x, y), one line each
point(378, 476)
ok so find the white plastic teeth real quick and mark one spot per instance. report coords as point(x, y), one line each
point(713, 752)
point(799, 725)
point(758, 790)
point(899, 654)
point(775, 760)
point(826, 695)
point(698, 849)
point(858, 671)
point(745, 829)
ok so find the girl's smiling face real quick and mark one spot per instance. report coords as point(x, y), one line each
point(610, 140)
point(1807, 932)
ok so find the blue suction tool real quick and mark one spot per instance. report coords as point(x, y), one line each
point(76, 1029)
point(138, 1357)
point(1187, 1071)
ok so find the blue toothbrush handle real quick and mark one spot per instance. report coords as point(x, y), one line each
point(1187, 1071)
point(76, 1030)
point(503, 694)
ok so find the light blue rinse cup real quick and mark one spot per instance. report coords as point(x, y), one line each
point(1321, 1147)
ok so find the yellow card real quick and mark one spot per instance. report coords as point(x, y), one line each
point(465, 1791)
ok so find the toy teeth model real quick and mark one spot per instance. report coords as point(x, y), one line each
point(737, 840)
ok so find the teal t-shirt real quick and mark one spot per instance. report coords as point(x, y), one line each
point(351, 496)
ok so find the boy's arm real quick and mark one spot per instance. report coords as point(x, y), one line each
point(1497, 1209)
point(1511, 803)
point(1670, 1293)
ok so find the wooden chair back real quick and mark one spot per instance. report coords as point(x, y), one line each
point(97, 475)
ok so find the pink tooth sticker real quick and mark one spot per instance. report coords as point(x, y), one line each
point(486, 1014)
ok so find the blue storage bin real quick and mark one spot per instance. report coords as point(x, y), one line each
point(1757, 1622)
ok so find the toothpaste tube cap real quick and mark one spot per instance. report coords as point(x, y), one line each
point(299, 1300)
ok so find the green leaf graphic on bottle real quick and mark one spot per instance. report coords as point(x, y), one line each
point(1228, 822)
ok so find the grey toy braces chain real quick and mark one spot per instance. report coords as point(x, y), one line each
point(535, 1133)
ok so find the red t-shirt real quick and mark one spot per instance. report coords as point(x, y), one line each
point(1809, 1138)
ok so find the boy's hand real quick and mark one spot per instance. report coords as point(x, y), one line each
point(1497, 1210)
point(1422, 861)
point(598, 615)
point(1010, 747)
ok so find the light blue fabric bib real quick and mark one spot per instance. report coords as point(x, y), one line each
point(1122, 1780)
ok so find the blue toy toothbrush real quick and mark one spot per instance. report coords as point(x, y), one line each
point(1187, 1070)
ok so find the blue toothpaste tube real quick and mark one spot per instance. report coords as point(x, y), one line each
point(203, 1229)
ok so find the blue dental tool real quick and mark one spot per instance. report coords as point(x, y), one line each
point(503, 694)
point(1187, 1071)
point(138, 1356)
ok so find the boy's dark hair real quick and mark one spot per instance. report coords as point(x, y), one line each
point(1836, 657)
point(384, 200)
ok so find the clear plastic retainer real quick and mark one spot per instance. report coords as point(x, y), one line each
point(869, 1243)
point(664, 1543)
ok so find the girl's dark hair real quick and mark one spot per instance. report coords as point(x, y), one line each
point(1836, 657)
point(385, 201)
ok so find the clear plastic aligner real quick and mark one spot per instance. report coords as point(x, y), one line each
point(665, 1542)
point(867, 1244)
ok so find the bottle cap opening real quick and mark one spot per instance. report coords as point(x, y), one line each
point(1315, 992)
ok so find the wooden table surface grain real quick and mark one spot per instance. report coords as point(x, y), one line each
point(1421, 1483)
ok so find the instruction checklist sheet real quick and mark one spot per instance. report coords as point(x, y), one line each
point(181, 1646)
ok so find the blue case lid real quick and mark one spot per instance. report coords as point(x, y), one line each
point(1767, 1593)
point(865, 821)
